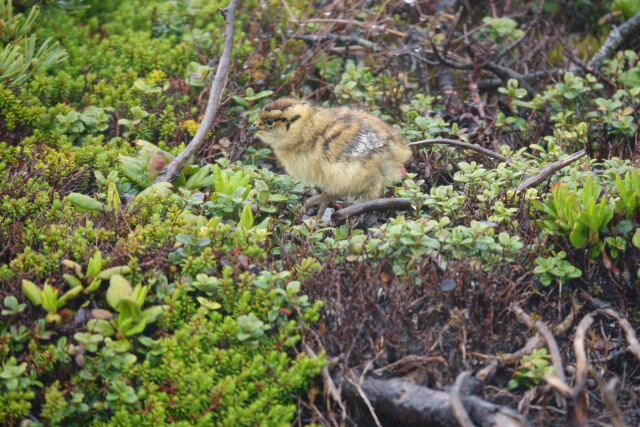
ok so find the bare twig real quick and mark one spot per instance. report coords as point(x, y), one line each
point(609, 395)
point(330, 386)
point(578, 409)
point(318, 38)
point(219, 80)
point(550, 169)
point(617, 36)
point(463, 144)
point(532, 343)
point(456, 400)
point(554, 351)
point(559, 385)
point(351, 22)
point(634, 344)
point(358, 385)
point(375, 204)
point(413, 360)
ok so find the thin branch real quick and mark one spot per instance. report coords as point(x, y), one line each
point(375, 204)
point(330, 386)
point(413, 360)
point(559, 385)
point(617, 36)
point(219, 80)
point(634, 344)
point(350, 22)
point(554, 351)
point(456, 400)
point(550, 169)
point(319, 38)
point(463, 144)
point(610, 399)
point(578, 408)
point(363, 396)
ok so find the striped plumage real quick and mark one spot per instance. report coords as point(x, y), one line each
point(346, 152)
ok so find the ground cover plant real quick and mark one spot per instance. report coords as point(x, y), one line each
point(503, 283)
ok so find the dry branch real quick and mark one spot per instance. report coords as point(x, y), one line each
point(456, 400)
point(634, 344)
point(372, 205)
point(617, 36)
point(550, 169)
point(532, 343)
point(463, 144)
point(554, 351)
point(173, 169)
point(578, 407)
point(408, 404)
point(609, 395)
point(370, 26)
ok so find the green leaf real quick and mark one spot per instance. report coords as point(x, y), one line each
point(85, 202)
point(100, 326)
point(95, 264)
point(636, 238)
point(69, 294)
point(33, 292)
point(106, 274)
point(119, 288)
point(578, 236)
point(73, 281)
point(246, 218)
point(151, 314)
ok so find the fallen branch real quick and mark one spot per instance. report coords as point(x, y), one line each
point(617, 36)
point(610, 399)
point(578, 407)
point(406, 403)
point(634, 344)
point(219, 80)
point(367, 25)
point(554, 351)
point(463, 144)
point(550, 169)
point(456, 400)
point(329, 386)
point(533, 343)
point(372, 205)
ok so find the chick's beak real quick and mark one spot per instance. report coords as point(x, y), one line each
point(253, 129)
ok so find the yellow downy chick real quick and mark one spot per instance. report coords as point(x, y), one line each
point(347, 153)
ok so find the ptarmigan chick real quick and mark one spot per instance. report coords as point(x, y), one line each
point(345, 152)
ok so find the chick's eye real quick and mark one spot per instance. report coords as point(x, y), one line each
point(269, 122)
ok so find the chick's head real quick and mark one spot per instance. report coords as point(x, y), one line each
point(281, 122)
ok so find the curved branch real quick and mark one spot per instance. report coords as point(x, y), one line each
point(463, 144)
point(550, 169)
point(375, 204)
point(456, 400)
point(617, 36)
point(219, 80)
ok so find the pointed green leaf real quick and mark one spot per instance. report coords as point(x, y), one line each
point(119, 288)
point(34, 293)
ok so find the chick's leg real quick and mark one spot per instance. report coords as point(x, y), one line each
point(321, 200)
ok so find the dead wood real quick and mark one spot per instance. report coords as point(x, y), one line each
point(533, 343)
point(578, 407)
point(407, 404)
point(463, 144)
point(456, 400)
point(630, 335)
point(615, 39)
point(173, 169)
point(610, 399)
point(372, 205)
point(550, 169)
